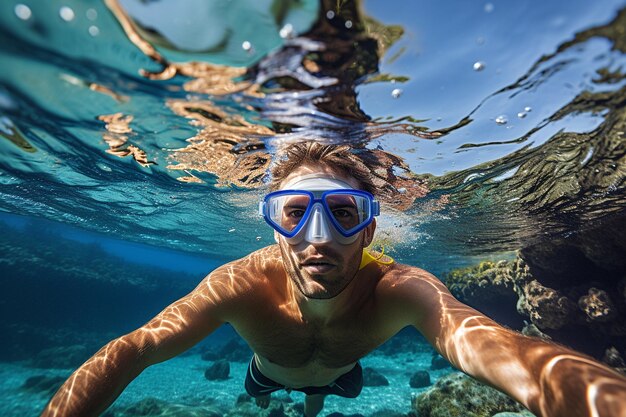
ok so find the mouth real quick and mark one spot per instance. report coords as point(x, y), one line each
point(317, 266)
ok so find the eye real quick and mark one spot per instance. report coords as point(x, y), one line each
point(296, 213)
point(341, 213)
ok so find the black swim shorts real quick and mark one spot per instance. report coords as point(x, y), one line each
point(348, 385)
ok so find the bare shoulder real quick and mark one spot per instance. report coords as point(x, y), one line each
point(241, 276)
point(401, 279)
point(411, 294)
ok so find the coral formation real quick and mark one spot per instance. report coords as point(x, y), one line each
point(570, 298)
point(459, 395)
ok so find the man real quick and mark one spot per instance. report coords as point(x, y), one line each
point(313, 305)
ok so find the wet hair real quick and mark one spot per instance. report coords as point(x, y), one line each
point(339, 157)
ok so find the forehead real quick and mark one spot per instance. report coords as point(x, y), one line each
point(322, 170)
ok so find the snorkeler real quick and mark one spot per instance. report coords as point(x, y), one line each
point(313, 305)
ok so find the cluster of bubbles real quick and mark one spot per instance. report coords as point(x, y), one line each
point(331, 15)
point(502, 119)
point(67, 14)
point(286, 32)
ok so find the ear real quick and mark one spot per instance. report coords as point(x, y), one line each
point(369, 234)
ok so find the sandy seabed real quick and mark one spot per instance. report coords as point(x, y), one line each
point(181, 381)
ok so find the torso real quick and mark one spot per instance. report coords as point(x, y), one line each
point(297, 352)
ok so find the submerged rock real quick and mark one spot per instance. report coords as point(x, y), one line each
point(597, 305)
point(439, 362)
point(218, 371)
point(278, 407)
point(373, 378)
point(546, 307)
point(153, 407)
point(531, 330)
point(573, 308)
point(459, 395)
point(488, 287)
point(613, 358)
point(420, 379)
point(62, 357)
point(44, 384)
point(235, 350)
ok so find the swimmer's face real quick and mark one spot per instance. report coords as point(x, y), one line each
point(323, 270)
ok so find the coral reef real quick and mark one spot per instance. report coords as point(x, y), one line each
point(459, 395)
point(488, 287)
point(569, 298)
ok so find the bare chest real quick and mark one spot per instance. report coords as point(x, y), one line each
point(293, 342)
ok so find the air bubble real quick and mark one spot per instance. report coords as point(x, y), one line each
point(94, 30)
point(91, 14)
point(104, 167)
point(502, 120)
point(521, 114)
point(23, 12)
point(330, 14)
point(66, 13)
point(246, 46)
point(348, 24)
point(287, 31)
point(396, 93)
point(479, 66)
point(489, 7)
point(231, 230)
point(258, 238)
point(528, 109)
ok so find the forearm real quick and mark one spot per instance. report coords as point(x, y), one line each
point(549, 379)
point(98, 382)
point(571, 384)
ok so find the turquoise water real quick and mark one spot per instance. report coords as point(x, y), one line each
point(481, 114)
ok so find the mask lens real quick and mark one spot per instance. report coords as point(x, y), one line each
point(287, 211)
point(349, 210)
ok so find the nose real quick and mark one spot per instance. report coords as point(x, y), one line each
point(318, 230)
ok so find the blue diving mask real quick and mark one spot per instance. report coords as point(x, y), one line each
point(319, 209)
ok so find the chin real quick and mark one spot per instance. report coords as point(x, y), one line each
point(320, 288)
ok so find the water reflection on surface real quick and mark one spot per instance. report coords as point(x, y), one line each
point(482, 137)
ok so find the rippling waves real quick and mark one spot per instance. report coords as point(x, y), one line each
point(480, 142)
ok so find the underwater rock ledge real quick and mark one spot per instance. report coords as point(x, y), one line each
point(571, 290)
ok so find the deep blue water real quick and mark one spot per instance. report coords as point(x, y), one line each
point(469, 93)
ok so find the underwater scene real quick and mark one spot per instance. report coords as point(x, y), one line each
point(136, 139)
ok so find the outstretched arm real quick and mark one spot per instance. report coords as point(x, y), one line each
point(100, 380)
point(549, 379)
